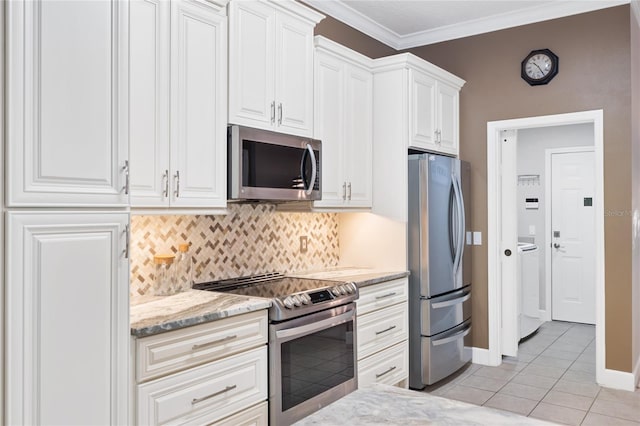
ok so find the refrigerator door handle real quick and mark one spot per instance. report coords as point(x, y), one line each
point(458, 217)
point(461, 220)
point(445, 304)
point(453, 226)
point(453, 338)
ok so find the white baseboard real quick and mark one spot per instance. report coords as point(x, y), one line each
point(481, 356)
point(636, 373)
point(619, 379)
point(545, 315)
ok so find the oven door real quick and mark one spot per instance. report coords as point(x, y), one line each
point(312, 362)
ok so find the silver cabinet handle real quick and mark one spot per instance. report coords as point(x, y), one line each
point(177, 177)
point(385, 372)
point(213, 343)
point(194, 401)
point(344, 191)
point(349, 191)
point(384, 296)
point(273, 112)
point(385, 330)
point(125, 169)
point(165, 179)
point(127, 238)
point(280, 114)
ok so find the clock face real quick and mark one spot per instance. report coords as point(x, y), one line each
point(539, 67)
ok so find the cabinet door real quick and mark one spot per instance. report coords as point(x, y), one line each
point(67, 313)
point(251, 64)
point(358, 138)
point(422, 111)
point(198, 105)
point(294, 75)
point(329, 125)
point(149, 102)
point(67, 103)
point(448, 116)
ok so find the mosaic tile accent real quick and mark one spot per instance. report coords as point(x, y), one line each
point(250, 239)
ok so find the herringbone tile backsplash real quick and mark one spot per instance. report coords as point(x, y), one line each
point(250, 239)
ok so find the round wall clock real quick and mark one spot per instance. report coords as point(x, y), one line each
point(539, 67)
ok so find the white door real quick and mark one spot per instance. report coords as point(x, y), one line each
point(573, 237)
point(67, 319)
point(67, 101)
point(149, 92)
point(329, 127)
point(358, 136)
point(252, 64)
point(509, 245)
point(294, 75)
point(198, 106)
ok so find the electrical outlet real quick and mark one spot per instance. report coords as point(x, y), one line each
point(303, 244)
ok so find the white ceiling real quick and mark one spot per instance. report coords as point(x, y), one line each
point(403, 24)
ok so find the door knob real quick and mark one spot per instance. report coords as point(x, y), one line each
point(556, 245)
point(507, 252)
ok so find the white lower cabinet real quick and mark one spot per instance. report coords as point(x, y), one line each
point(383, 352)
point(213, 373)
point(67, 318)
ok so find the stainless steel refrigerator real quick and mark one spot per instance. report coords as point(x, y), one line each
point(440, 280)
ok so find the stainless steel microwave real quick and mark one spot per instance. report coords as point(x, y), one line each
point(264, 165)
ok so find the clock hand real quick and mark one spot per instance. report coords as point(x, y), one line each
point(538, 67)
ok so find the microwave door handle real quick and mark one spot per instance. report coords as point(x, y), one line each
point(314, 170)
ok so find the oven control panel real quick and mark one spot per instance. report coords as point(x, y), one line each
point(319, 296)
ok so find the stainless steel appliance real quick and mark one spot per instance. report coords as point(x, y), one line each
point(312, 340)
point(440, 280)
point(264, 165)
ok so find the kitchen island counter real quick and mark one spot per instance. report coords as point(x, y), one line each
point(391, 406)
point(157, 314)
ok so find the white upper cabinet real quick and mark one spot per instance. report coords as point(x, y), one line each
point(343, 122)
point(178, 103)
point(271, 65)
point(434, 109)
point(67, 119)
point(67, 319)
point(428, 94)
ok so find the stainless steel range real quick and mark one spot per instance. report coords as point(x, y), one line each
point(312, 340)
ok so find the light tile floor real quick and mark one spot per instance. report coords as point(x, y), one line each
point(552, 379)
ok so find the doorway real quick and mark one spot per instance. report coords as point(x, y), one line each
point(502, 231)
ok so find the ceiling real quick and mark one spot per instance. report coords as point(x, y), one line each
point(403, 24)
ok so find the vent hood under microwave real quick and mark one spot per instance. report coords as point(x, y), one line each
point(270, 166)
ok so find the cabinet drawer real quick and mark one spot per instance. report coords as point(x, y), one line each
point(206, 393)
point(254, 416)
point(381, 329)
point(388, 366)
point(382, 295)
point(167, 353)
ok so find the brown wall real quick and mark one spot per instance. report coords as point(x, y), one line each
point(594, 73)
point(352, 38)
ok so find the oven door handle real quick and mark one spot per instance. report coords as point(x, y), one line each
point(303, 330)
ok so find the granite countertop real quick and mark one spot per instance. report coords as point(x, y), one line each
point(389, 406)
point(153, 315)
point(361, 276)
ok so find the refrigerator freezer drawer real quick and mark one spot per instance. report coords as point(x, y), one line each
point(445, 353)
point(441, 313)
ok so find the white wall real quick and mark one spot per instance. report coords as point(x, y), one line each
point(369, 240)
point(532, 144)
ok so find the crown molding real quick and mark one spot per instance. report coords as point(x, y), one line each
point(340, 11)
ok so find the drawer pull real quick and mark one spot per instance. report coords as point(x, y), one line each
point(215, 342)
point(385, 372)
point(452, 302)
point(385, 330)
point(194, 401)
point(384, 296)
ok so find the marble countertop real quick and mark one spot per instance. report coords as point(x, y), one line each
point(389, 406)
point(153, 315)
point(361, 276)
